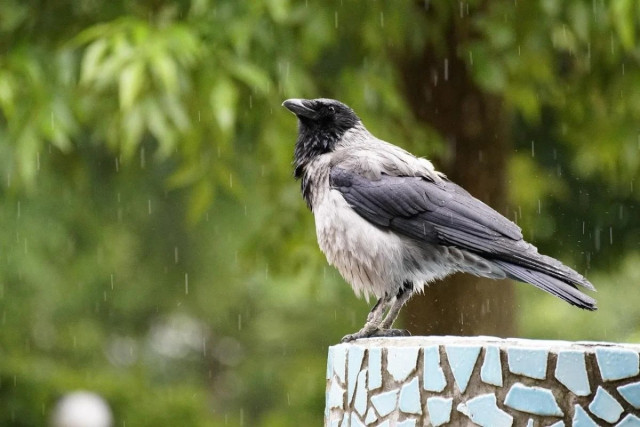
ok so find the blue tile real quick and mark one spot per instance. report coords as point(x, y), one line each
point(340, 360)
point(385, 403)
point(491, 372)
point(335, 423)
point(336, 395)
point(410, 398)
point(375, 368)
point(330, 363)
point(355, 421)
point(354, 363)
point(629, 421)
point(360, 401)
point(604, 406)
point(345, 420)
point(371, 416)
point(631, 393)
point(617, 363)
point(439, 410)
point(401, 361)
point(433, 377)
point(483, 410)
point(571, 371)
point(558, 424)
point(531, 362)
point(462, 359)
point(407, 423)
point(581, 418)
point(533, 400)
point(384, 424)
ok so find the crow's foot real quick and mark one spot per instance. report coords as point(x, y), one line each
point(366, 333)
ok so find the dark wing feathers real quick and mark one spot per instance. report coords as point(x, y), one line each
point(443, 213)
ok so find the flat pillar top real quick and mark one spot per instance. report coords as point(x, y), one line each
point(423, 341)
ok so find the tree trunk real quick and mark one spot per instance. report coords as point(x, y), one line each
point(443, 95)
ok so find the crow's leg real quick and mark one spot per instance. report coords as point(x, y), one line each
point(375, 326)
point(374, 319)
point(377, 311)
point(401, 298)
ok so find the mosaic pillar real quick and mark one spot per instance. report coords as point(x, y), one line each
point(484, 381)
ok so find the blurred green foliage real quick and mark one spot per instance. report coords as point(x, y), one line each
point(154, 246)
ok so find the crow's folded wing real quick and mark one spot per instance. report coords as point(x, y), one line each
point(441, 212)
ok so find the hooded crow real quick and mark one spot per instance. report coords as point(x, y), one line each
point(390, 223)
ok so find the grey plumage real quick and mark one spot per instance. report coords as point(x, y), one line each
point(389, 222)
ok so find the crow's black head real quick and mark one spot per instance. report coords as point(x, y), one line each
point(321, 124)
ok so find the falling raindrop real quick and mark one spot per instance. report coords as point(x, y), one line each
point(446, 69)
point(186, 283)
point(335, 19)
point(176, 257)
point(533, 148)
point(611, 235)
point(143, 160)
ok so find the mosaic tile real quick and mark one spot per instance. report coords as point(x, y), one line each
point(375, 368)
point(581, 418)
point(605, 407)
point(617, 363)
point(433, 377)
point(340, 361)
point(401, 361)
point(629, 421)
point(409, 401)
point(483, 410)
point(336, 396)
point(439, 410)
point(371, 416)
point(532, 400)
point(571, 371)
point(360, 401)
point(462, 359)
point(531, 362)
point(330, 362)
point(631, 393)
point(491, 371)
point(386, 402)
point(355, 355)
point(416, 389)
point(355, 421)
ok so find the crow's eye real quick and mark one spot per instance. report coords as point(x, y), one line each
point(332, 109)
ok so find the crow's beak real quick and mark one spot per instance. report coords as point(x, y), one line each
point(299, 107)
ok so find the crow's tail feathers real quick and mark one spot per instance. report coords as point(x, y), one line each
point(565, 289)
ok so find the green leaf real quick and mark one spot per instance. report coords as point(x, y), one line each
point(92, 59)
point(223, 99)
point(130, 85)
point(624, 21)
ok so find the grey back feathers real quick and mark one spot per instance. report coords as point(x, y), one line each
point(385, 218)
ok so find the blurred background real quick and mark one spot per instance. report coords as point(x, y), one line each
point(154, 246)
